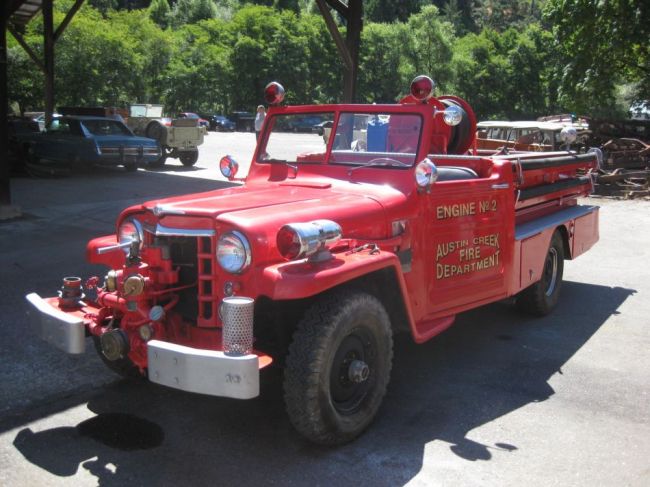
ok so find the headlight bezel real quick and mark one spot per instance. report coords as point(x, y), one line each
point(239, 240)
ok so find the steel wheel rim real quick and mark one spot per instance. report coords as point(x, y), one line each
point(348, 396)
point(550, 271)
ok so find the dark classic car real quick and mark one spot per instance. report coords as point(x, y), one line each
point(244, 121)
point(220, 123)
point(82, 141)
point(202, 122)
point(19, 128)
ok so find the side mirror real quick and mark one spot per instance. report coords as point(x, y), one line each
point(426, 173)
point(228, 167)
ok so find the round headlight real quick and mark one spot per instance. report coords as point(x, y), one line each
point(130, 231)
point(233, 252)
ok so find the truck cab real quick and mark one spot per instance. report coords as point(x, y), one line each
point(329, 246)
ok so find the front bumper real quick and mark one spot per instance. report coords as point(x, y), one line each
point(203, 371)
point(188, 369)
point(62, 330)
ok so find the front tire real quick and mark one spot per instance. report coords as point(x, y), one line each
point(338, 367)
point(540, 298)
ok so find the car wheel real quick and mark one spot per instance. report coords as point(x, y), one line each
point(540, 298)
point(155, 130)
point(158, 163)
point(338, 367)
point(189, 158)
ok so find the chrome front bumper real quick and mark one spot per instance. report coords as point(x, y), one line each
point(203, 371)
point(59, 329)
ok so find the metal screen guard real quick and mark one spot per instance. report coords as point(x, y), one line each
point(237, 315)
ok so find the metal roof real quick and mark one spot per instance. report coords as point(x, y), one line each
point(25, 10)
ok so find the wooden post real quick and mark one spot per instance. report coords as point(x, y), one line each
point(5, 185)
point(48, 58)
point(353, 41)
point(352, 12)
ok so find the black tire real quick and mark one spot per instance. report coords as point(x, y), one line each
point(155, 130)
point(123, 367)
point(160, 162)
point(189, 158)
point(339, 334)
point(540, 298)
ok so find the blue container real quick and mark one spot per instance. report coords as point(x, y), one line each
point(377, 135)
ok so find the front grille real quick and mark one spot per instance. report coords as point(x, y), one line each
point(207, 283)
point(196, 262)
point(130, 151)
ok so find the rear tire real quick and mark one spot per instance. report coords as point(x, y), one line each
point(188, 159)
point(338, 367)
point(540, 298)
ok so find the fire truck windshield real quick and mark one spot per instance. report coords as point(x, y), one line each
point(353, 139)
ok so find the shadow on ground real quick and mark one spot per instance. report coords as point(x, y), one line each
point(492, 362)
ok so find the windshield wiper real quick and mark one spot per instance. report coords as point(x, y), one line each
point(379, 161)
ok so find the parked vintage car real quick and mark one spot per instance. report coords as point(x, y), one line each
point(18, 129)
point(220, 123)
point(244, 121)
point(77, 142)
point(303, 124)
point(538, 136)
point(39, 117)
point(202, 122)
point(178, 138)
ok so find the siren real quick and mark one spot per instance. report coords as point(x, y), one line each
point(274, 93)
point(422, 88)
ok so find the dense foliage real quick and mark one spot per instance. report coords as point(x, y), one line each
point(508, 58)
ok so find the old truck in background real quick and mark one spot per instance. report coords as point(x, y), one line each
point(178, 138)
point(326, 250)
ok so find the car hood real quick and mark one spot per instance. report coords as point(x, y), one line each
point(360, 209)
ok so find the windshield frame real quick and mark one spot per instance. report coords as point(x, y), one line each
point(423, 111)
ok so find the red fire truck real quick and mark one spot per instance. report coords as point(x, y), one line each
point(391, 222)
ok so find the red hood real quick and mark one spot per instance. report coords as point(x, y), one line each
point(356, 207)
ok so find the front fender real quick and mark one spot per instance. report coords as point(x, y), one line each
point(114, 260)
point(303, 279)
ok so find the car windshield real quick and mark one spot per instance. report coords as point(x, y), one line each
point(357, 138)
point(106, 127)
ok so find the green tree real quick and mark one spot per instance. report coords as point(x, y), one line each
point(192, 11)
point(159, 12)
point(427, 46)
point(392, 10)
point(380, 79)
point(601, 45)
